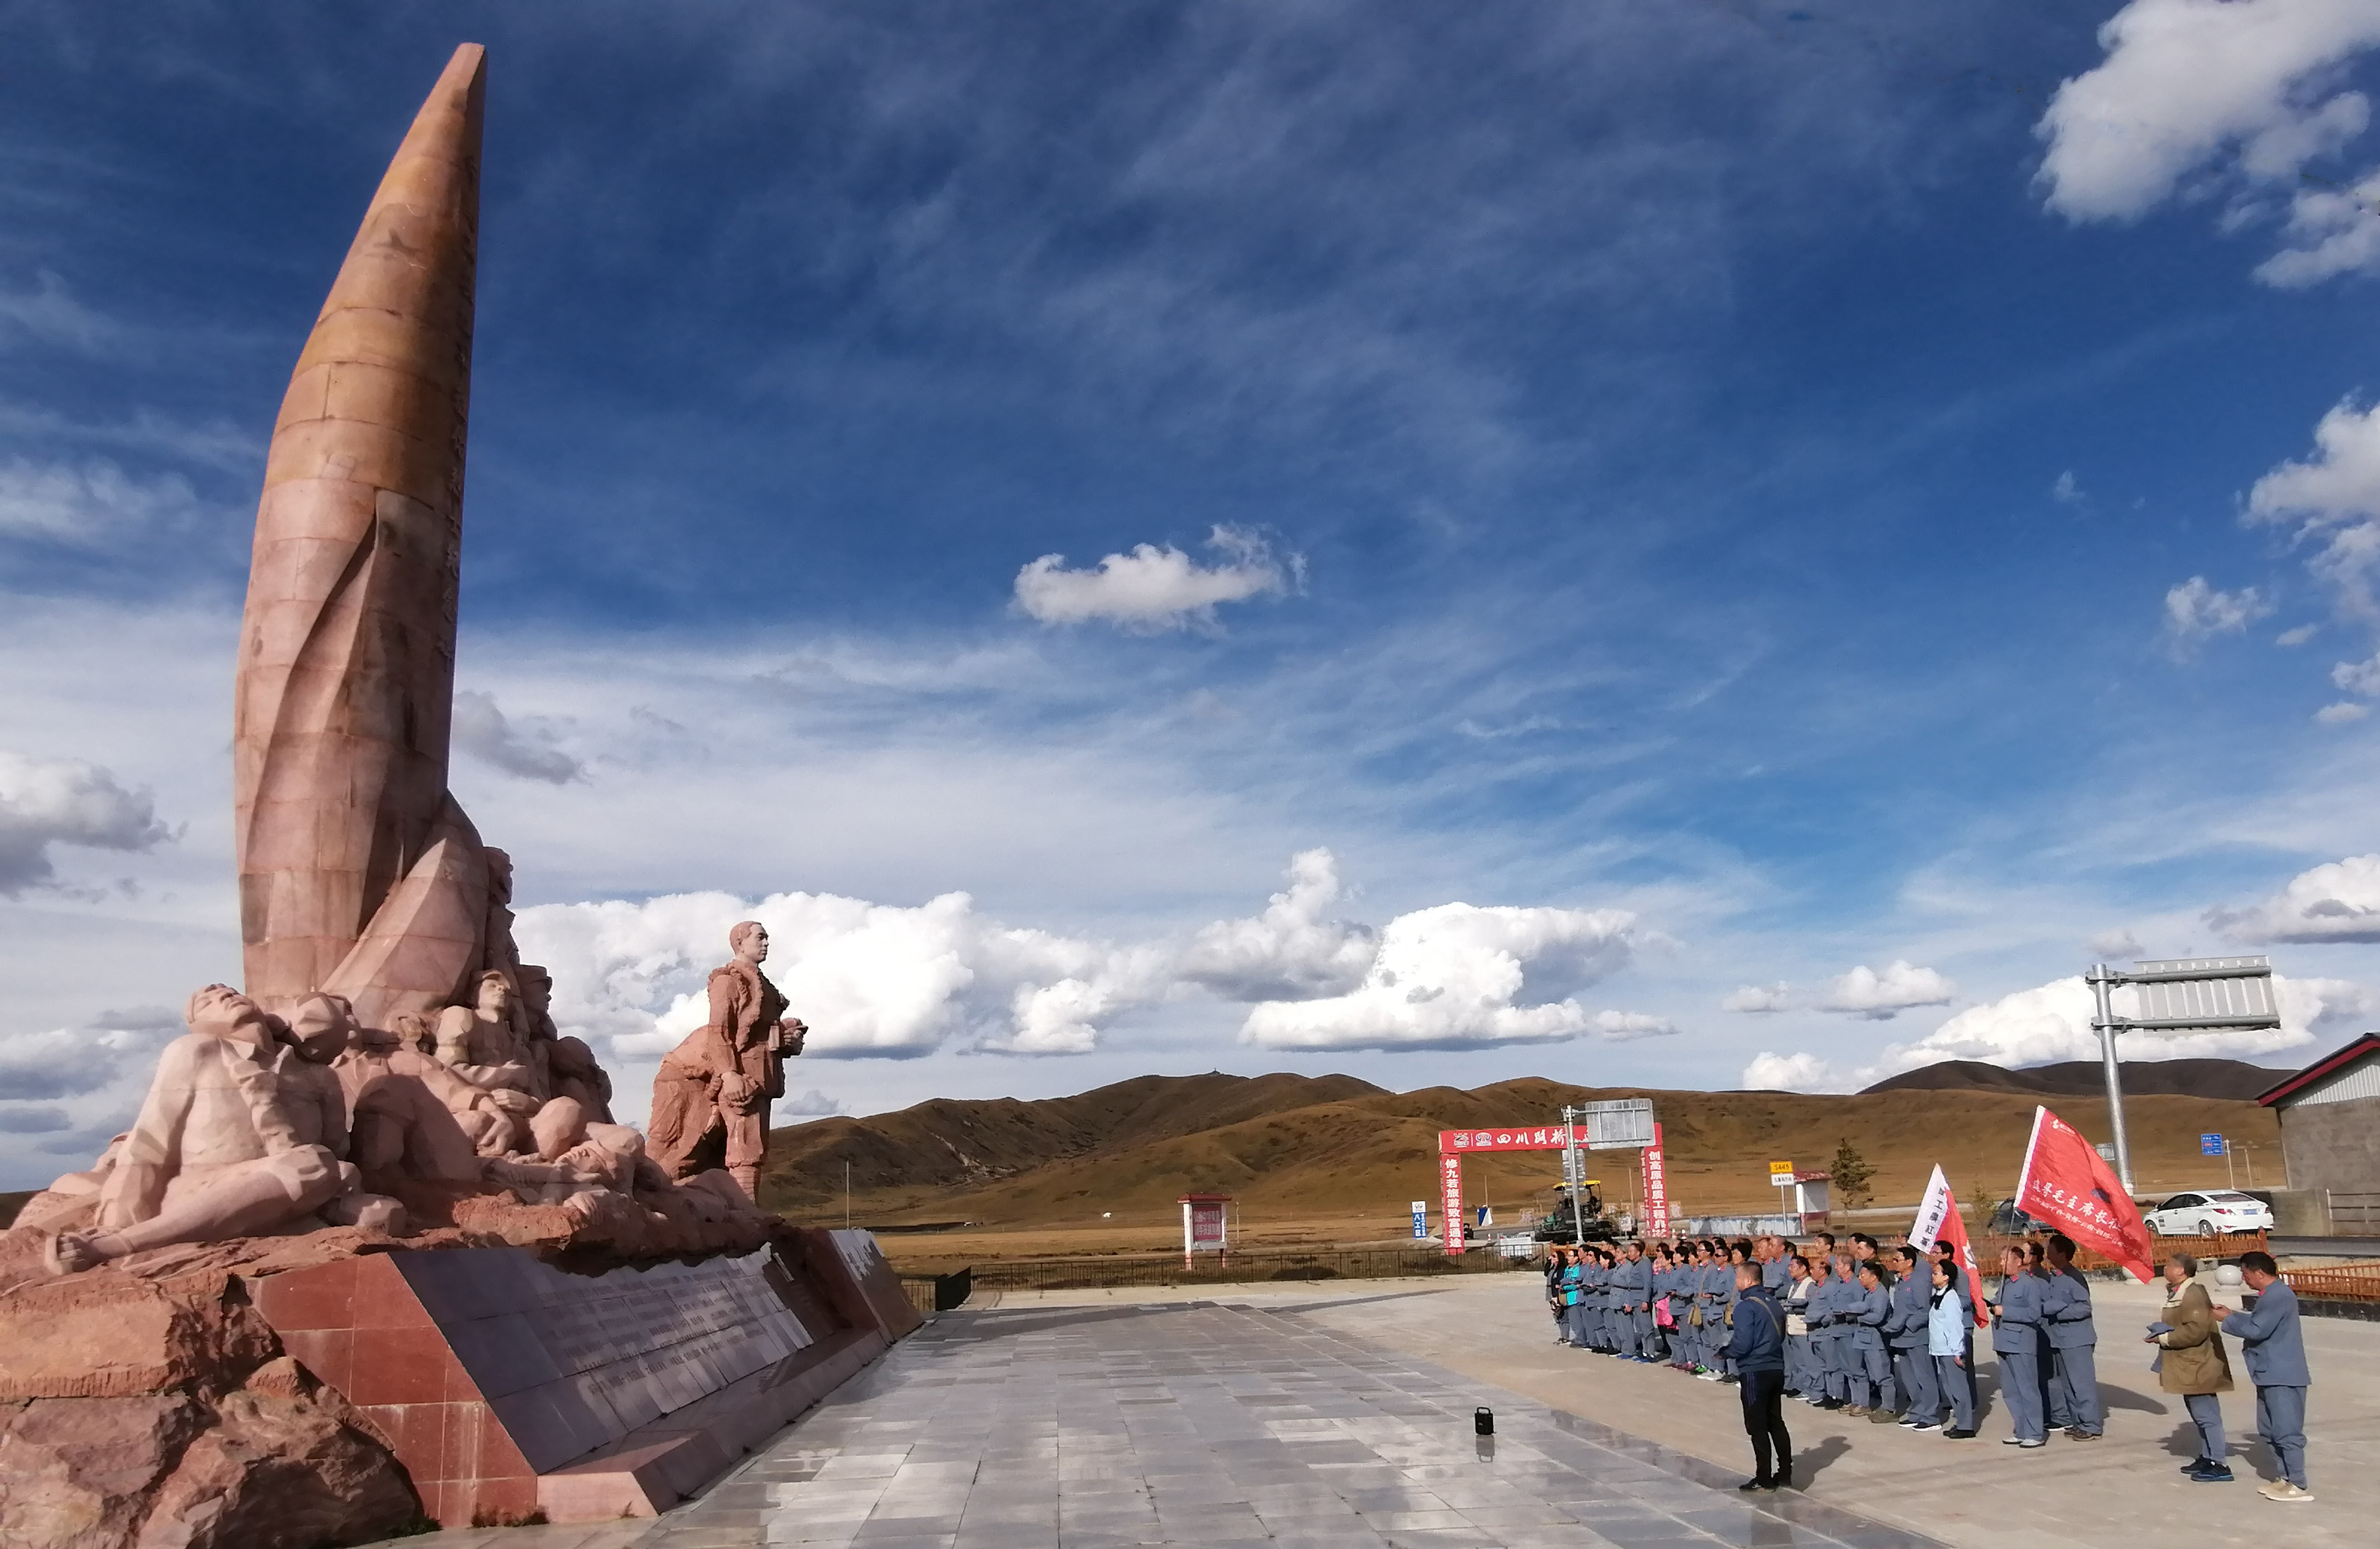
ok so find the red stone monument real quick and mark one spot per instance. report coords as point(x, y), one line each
point(374, 1249)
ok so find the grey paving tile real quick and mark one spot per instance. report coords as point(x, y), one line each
point(1197, 1423)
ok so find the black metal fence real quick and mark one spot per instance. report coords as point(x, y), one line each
point(1224, 1269)
point(938, 1293)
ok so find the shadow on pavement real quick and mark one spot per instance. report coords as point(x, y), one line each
point(1809, 1464)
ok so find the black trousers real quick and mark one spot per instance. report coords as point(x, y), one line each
point(1764, 1422)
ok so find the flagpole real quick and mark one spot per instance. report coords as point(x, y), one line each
point(2024, 1176)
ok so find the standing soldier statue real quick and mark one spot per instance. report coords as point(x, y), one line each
point(711, 1095)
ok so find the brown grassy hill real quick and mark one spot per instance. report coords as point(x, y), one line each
point(1343, 1158)
point(2235, 1080)
point(948, 1144)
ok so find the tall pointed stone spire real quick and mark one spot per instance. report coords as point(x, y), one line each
point(347, 665)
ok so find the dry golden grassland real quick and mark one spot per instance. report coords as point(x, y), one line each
point(1333, 1160)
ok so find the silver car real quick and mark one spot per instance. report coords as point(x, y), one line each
point(2210, 1214)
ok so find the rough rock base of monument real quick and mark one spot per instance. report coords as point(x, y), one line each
point(336, 1386)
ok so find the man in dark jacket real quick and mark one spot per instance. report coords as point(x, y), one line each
point(1757, 1348)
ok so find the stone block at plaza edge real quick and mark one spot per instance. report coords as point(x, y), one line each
point(507, 1387)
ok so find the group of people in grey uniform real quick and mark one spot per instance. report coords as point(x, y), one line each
point(1889, 1335)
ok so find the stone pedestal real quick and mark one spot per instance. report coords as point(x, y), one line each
point(508, 1386)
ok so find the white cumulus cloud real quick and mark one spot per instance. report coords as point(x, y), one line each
point(2051, 1023)
point(1154, 588)
point(870, 979)
point(1619, 1027)
point(1791, 1072)
point(56, 800)
point(1456, 975)
point(2333, 500)
point(1292, 950)
point(2241, 89)
point(1758, 998)
point(1864, 992)
point(2339, 901)
point(2342, 713)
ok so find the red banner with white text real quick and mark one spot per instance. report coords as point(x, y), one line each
point(1450, 1201)
point(2067, 1183)
point(1656, 1191)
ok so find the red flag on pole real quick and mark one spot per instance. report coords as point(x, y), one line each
point(1939, 1221)
point(2065, 1182)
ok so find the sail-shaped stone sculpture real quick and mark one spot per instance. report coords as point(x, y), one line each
point(359, 874)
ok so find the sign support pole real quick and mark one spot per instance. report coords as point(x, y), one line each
point(2104, 1021)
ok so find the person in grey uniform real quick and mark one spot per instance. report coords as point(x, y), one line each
point(1590, 1291)
point(1795, 1299)
point(1607, 1318)
point(1661, 1282)
point(1819, 1314)
point(1693, 1260)
point(1870, 1364)
point(2016, 1340)
point(1720, 1324)
point(1950, 1335)
point(1710, 1269)
point(1847, 1381)
point(2273, 1347)
point(1632, 1296)
point(1906, 1336)
point(2065, 1319)
point(1776, 1265)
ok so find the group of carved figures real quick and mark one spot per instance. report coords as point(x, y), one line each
point(256, 1122)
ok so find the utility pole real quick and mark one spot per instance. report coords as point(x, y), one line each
point(1572, 1170)
point(847, 1193)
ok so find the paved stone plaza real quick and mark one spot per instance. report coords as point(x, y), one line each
point(1202, 1422)
point(1340, 1414)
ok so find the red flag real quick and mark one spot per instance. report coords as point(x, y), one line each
point(2068, 1183)
point(1939, 1221)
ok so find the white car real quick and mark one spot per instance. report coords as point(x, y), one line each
point(2209, 1214)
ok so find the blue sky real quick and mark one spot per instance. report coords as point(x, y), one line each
point(1867, 498)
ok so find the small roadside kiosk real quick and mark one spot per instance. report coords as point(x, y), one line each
point(1203, 1228)
point(1809, 1188)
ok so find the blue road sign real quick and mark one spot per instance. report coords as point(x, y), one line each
point(1421, 1223)
point(2210, 1145)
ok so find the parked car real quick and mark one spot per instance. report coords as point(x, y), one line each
point(2009, 1221)
point(2210, 1214)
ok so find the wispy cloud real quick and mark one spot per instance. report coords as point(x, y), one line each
point(2196, 612)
